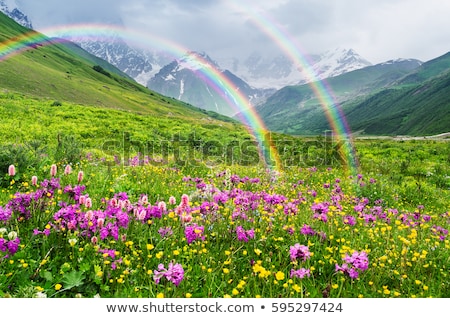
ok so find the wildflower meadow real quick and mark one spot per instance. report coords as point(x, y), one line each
point(90, 229)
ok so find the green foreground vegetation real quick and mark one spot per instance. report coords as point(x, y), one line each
point(110, 203)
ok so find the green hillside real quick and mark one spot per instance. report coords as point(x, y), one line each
point(386, 99)
point(63, 72)
point(298, 110)
point(422, 109)
point(428, 70)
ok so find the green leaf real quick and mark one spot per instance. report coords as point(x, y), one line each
point(84, 267)
point(48, 276)
point(73, 279)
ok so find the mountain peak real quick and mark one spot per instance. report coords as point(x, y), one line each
point(11, 9)
point(338, 61)
point(194, 60)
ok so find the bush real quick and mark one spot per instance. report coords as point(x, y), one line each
point(56, 103)
point(101, 70)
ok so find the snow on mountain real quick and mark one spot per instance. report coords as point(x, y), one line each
point(12, 10)
point(280, 71)
point(139, 64)
point(184, 79)
point(338, 61)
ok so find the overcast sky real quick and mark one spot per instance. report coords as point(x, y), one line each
point(378, 30)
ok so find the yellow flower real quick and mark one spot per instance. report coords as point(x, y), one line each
point(159, 254)
point(279, 275)
point(58, 286)
point(235, 292)
point(160, 295)
point(335, 286)
point(226, 270)
point(258, 251)
point(150, 247)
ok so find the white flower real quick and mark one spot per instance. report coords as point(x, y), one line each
point(12, 235)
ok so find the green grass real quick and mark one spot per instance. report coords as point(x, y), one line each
point(407, 251)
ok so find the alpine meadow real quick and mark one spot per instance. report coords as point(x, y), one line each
point(109, 189)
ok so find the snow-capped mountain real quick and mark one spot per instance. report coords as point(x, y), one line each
point(12, 10)
point(139, 64)
point(280, 71)
point(338, 61)
point(187, 79)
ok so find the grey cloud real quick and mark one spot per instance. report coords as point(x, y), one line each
point(378, 30)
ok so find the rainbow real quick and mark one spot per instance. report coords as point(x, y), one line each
point(211, 75)
point(322, 90)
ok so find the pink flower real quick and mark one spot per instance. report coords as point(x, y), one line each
point(162, 206)
point(100, 222)
point(68, 170)
point(88, 203)
point(34, 180)
point(186, 217)
point(172, 200)
point(144, 200)
point(184, 200)
point(299, 252)
point(80, 176)
point(82, 199)
point(53, 170)
point(12, 170)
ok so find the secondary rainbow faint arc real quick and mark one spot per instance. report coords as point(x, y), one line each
point(322, 90)
point(211, 75)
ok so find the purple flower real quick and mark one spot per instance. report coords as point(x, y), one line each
point(299, 252)
point(307, 230)
point(354, 264)
point(174, 273)
point(290, 209)
point(9, 246)
point(300, 273)
point(193, 232)
point(320, 211)
point(350, 220)
point(165, 231)
point(244, 235)
point(5, 214)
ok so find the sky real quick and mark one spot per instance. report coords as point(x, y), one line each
point(379, 30)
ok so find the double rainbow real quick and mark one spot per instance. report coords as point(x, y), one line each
point(211, 75)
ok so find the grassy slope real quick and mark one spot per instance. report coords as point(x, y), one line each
point(413, 104)
point(422, 109)
point(54, 71)
point(298, 110)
